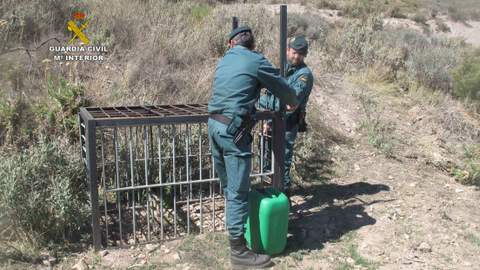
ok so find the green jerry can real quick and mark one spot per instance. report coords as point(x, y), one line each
point(267, 224)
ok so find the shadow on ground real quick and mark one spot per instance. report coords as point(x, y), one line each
point(329, 212)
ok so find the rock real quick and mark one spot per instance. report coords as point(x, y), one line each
point(356, 167)
point(424, 247)
point(141, 256)
point(49, 260)
point(167, 250)
point(151, 247)
point(350, 260)
point(414, 184)
point(103, 253)
point(81, 265)
point(458, 190)
point(176, 256)
point(390, 177)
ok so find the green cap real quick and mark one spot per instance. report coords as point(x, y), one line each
point(299, 44)
point(238, 30)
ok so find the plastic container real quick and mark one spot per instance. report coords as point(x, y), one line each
point(267, 224)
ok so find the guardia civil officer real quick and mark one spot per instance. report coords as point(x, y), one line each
point(300, 78)
point(239, 77)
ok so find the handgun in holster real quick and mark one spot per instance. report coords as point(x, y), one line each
point(241, 126)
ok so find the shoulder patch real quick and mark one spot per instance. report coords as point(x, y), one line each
point(303, 78)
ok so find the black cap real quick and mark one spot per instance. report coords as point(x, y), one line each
point(299, 44)
point(238, 30)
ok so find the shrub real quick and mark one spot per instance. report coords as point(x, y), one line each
point(431, 67)
point(466, 77)
point(442, 26)
point(469, 172)
point(16, 121)
point(312, 157)
point(456, 14)
point(419, 18)
point(67, 99)
point(379, 131)
point(326, 4)
point(312, 26)
point(395, 12)
point(199, 12)
point(43, 193)
point(360, 8)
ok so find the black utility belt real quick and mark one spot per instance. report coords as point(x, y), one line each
point(238, 126)
point(221, 118)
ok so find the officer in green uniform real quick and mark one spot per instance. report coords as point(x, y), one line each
point(300, 78)
point(239, 77)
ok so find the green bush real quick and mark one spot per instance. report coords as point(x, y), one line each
point(16, 122)
point(419, 18)
point(43, 193)
point(466, 77)
point(355, 45)
point(431, 67)
point(419, 60)
point(326, 4)
point(312, 26)
point(443, 27)
point(395, 12)
point(67, 99)
point(199, 12)
point(469, 172)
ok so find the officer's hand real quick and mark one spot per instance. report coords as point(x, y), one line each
point(291, 108)
point(266, 128)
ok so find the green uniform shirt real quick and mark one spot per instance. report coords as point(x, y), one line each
point(300, 78)
point(239, 76)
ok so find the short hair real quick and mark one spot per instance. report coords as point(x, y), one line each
point(245, 39)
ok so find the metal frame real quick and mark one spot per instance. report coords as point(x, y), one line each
point(96, 122)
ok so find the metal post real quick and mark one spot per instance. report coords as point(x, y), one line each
point(283, 39)
point(92, 177)
point(234, 23)
point(278, 146)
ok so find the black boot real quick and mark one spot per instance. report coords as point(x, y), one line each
point(241, 257)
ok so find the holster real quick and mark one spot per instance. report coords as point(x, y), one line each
point(240, 127)
point(302, 121)
point(297, 118)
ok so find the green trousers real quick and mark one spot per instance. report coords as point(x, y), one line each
point(233, 165)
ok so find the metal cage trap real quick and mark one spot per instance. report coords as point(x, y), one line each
point(151, 173)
